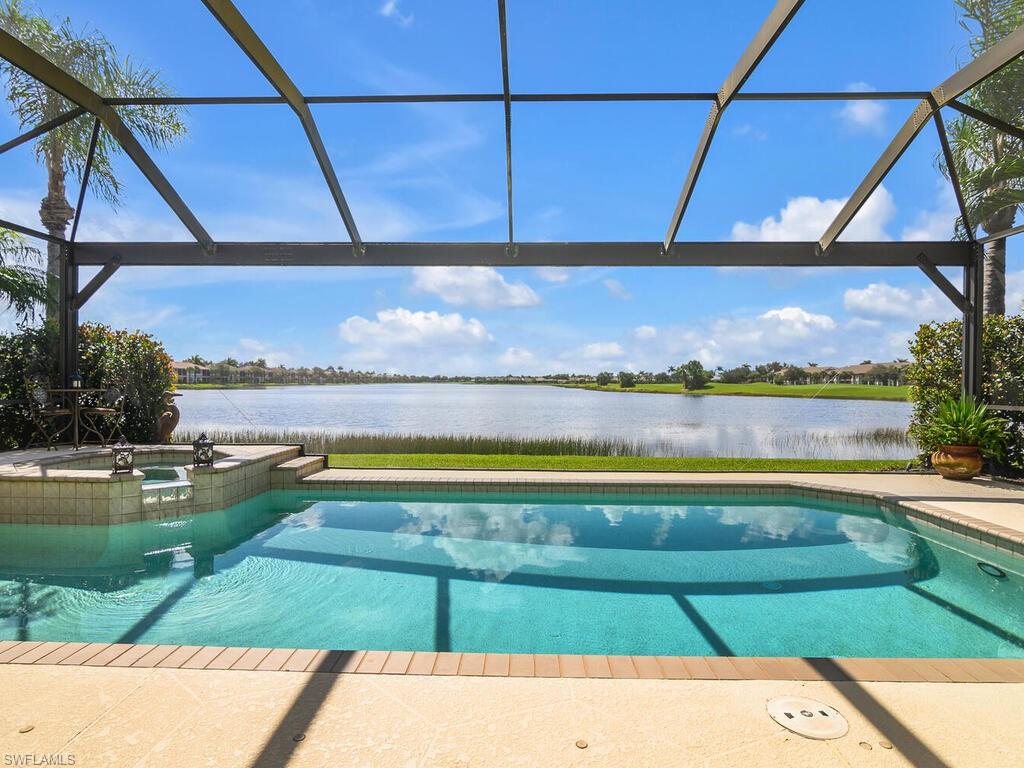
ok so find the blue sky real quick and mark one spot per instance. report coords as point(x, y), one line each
point(582, 172)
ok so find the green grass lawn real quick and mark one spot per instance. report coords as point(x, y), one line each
point(605, 463)
point(829, 392)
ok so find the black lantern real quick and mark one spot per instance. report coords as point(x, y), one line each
point(202, 451)
point(76, 380)
point(122, 457)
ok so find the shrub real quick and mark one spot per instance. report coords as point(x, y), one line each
point(627, 379)
point(792, 376)
point(694, 375)
point(935, 374)
point(604, 378)
point(962, 421)
point(133, 362)
point(740, 375)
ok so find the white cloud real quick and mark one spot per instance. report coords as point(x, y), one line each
point(601, 350)
point(123, 226)
point(746, 130)
point(863, 115)
point(806, 218)
point(616, 289)
point(553, 274)
point(930, 225)
point(937, 223)
point(885, 301)
point(250, 349)
point(643, 332)
point(785, 333)
point(399, 327)
point(864, 324)
point(120, 308)
point(416, 342)
point(1015, 292)
point(517, 357)
point(588, 358)
point(390, 10)
point(795, 322)
point(482, 287)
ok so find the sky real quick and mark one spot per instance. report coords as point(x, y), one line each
point(612, 171)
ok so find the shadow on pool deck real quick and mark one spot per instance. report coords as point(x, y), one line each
point(279, 747)
point(898, 734)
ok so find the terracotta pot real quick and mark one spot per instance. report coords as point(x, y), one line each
point(957, 462)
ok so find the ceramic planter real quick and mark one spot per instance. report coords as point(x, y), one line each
point(957, 462)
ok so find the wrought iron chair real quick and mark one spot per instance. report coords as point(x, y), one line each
point(50, 418)
point(103, 421)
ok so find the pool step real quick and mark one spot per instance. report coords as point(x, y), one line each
point(294, 470)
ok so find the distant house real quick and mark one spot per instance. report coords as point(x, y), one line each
point(818, 374)
point(252, 374)
point(225, 373)
point(186, 372)
point(887, 374)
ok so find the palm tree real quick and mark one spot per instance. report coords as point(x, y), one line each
point(89, 57)
point(22, 286)
point(989, 163)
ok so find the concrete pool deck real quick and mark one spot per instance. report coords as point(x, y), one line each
point(123, 718)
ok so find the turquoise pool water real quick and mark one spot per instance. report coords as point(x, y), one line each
point(162, 472)
point(616, 574)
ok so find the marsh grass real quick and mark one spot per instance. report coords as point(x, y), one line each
point(323, 441)
point(811, 444)
point(890, 438)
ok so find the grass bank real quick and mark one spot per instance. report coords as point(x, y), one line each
point(762, 389)
point(604, 463)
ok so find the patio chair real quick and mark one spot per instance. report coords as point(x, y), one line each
point(103, 420)
point(50, 418)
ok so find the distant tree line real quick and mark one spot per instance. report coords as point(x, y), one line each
point(258, 371)
point(692, 374)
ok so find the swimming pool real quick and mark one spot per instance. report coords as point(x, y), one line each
point(588, 574)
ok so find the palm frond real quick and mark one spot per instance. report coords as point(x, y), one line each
point(91, 58)
point(22, 286)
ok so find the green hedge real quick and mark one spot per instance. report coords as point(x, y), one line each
point(134, 362)
point(936, 372)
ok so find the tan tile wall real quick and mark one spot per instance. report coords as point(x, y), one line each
point(90, 495)
point(71, 500)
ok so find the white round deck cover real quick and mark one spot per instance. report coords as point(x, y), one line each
point(808, 717)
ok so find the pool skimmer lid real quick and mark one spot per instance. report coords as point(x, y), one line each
point(807, 717)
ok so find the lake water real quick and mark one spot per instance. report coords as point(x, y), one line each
point(667, 424)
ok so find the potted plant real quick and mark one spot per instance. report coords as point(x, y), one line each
point(961, 434)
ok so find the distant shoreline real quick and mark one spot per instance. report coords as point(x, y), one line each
point(873, 392)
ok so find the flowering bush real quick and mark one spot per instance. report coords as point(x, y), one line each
point(133, 362)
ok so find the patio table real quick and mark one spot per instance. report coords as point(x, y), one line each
point(72, 395)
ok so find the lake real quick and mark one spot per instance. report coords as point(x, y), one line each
point(669, 425)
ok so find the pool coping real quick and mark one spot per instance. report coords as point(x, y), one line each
point(445, 664)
